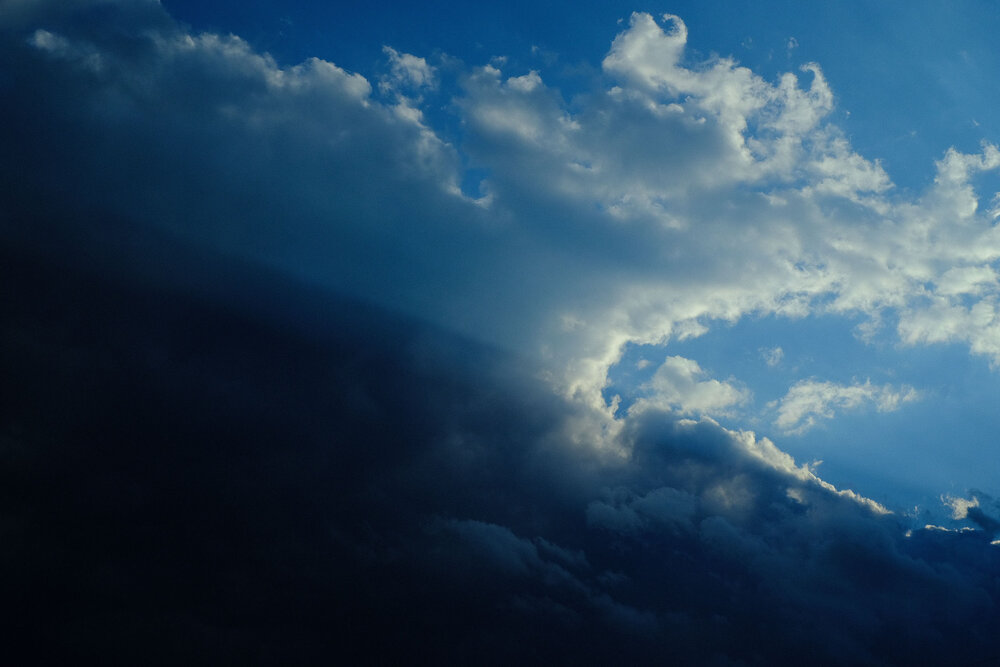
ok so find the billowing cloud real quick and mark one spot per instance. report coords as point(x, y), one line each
point(810, 401)
point(233, 465)
point(279, 377)
point(681, 385)
point(675, 194)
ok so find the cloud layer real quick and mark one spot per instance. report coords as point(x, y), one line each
point(673, 194)
point(228, 483)
point(289, 380)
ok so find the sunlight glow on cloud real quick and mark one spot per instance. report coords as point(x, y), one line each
point(959, 506)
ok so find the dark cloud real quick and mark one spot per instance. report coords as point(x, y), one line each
point(206, 460)
point(192, 477)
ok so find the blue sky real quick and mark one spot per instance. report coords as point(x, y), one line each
point(563, 325)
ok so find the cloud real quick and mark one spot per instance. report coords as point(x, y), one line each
point(959, 506)
point(393, 468)
point(974, 511)
point(809, 401)
point(624, 514)
point(673, 195)
point(375, 478)
point(309, 389)
point(680, 384)
point(772, 356)
point(407, 72)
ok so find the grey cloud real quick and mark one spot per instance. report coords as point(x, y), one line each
point(621, 513)
point(399, 492)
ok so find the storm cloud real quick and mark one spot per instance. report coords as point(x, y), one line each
point(280, 387)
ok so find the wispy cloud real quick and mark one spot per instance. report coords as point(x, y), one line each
point(808, 402)
point(772, 356)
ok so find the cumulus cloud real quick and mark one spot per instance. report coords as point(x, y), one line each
point(809, 401)
point(201, 257)
point(674, 195)
point(407, 72)
point(666, 506)
point(681, 385)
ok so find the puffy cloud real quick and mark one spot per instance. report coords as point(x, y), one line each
point(947, 319)
point(665, 505)
point(408, 71)
point(809, 401)
point(680, 384)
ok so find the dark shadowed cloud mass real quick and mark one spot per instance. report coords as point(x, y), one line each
point(296, 372)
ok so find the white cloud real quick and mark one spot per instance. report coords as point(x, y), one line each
point(809, 401)
point(407, 72)
point(959, 506)
point(944, 319)
point(681, 385)
point(971, 280)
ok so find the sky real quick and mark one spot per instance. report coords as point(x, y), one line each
point(535, 332)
